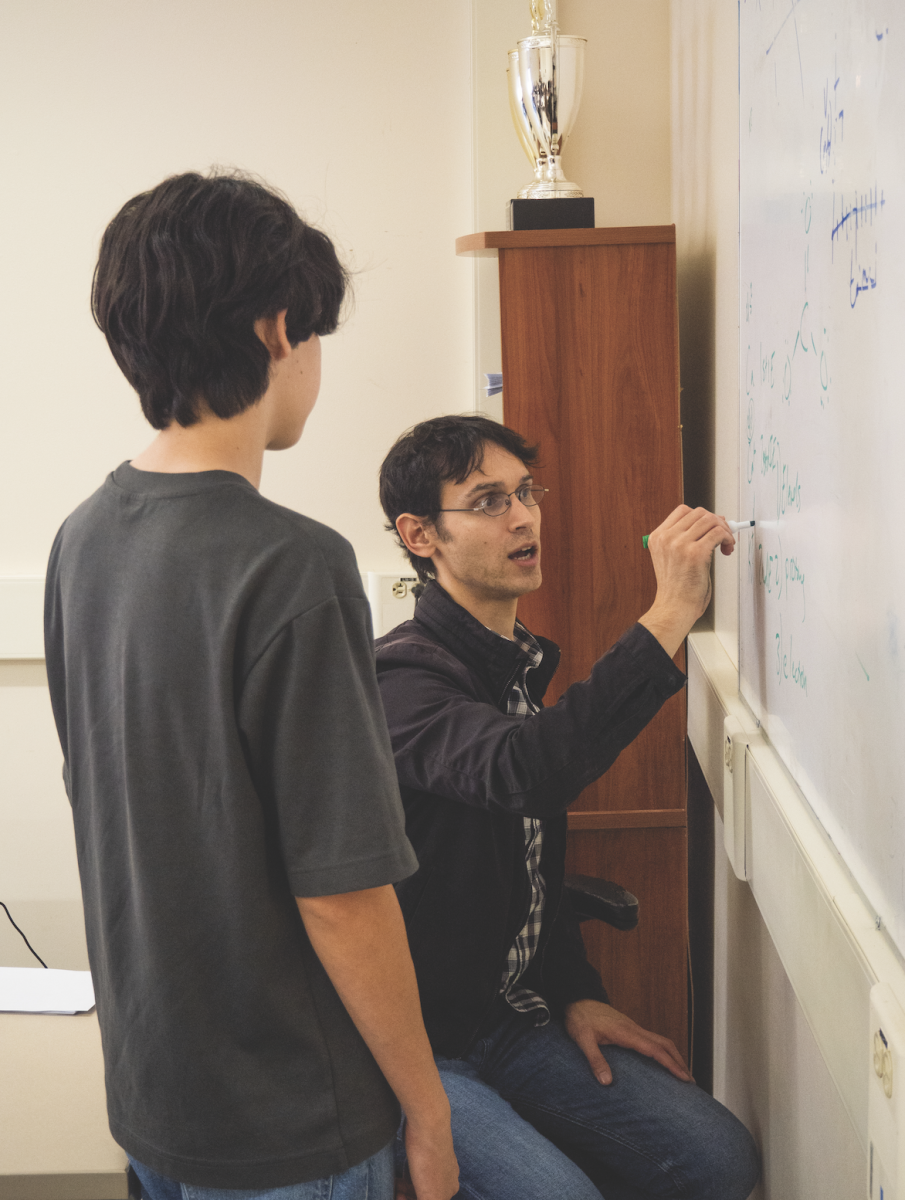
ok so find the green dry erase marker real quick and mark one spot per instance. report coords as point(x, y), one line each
point(735, 526)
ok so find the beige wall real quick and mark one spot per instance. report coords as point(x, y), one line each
point(365, 124)
point(619, 151)
point(705, 210)
point(342, 109)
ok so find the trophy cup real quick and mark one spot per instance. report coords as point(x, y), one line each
point(545, 79)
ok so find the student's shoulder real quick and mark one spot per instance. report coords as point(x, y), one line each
point(304, 544)
point(225, 531)
point(282, 567)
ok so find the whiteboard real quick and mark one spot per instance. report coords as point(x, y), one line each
point(822, 406)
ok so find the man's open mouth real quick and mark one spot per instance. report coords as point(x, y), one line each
point(525, 553)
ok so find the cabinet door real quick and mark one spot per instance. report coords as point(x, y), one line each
point(590, 371)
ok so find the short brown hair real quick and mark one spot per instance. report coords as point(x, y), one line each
point(184, 272)
point(433, 453)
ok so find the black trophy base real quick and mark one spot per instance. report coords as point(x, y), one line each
point(574, 212)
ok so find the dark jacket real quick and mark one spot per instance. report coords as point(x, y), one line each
point(469, 773)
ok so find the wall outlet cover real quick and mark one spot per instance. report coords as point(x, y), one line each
point(885, 1095)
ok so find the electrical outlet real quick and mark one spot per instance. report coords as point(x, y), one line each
point(886, 1096)
point(391, 600)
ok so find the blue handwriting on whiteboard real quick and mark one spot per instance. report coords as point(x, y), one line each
point(866, 283)
point(855, 214)
point(834, 116)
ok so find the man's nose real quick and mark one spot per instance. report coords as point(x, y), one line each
point(521, 514)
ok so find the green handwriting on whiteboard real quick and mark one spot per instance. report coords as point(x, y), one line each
point(767, 456)
point(788, 667)
point(780, 574)
point(799, 372)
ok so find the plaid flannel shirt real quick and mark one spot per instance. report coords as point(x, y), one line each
point(521, 998)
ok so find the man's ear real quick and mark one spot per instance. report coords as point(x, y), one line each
point(419, 535)
point(272, 332)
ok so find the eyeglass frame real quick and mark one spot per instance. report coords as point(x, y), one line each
point(507, 496)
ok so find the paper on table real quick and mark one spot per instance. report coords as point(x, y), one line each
point(42, 990)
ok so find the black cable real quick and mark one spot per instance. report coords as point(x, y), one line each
point(22, 935)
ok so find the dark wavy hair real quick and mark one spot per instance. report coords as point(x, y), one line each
point(184, 272)
point(442, 450)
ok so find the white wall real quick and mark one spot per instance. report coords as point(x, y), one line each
point(767, 1065)
point(361, 114)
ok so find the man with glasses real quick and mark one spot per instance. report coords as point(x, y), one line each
point(515, 1013)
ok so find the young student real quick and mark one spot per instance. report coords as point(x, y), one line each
point(236, 811)
point(541, 1072)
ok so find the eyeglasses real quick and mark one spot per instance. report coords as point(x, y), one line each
point(496, 503)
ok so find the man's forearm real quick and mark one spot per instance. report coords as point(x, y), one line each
point(670, 625)
point(451, 742)
point(360, 939)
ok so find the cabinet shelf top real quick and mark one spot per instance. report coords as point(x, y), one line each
point(529, 239)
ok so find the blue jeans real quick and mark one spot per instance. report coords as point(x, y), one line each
point(526, 1109)
point(370, 1180)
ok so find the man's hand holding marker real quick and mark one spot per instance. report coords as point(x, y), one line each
point(735, 526)
point(681, 550)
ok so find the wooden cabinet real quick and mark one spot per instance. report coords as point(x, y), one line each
point(590, 371)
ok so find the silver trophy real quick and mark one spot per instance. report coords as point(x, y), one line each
point(545, 78)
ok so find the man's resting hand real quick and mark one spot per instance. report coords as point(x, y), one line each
point(591, 1025)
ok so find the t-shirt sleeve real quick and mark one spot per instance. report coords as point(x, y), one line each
point(319, 753)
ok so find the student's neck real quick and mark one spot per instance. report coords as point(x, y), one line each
point(211, 444)
point(498, 615)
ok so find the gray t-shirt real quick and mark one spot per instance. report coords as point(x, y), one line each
point(212, 677)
